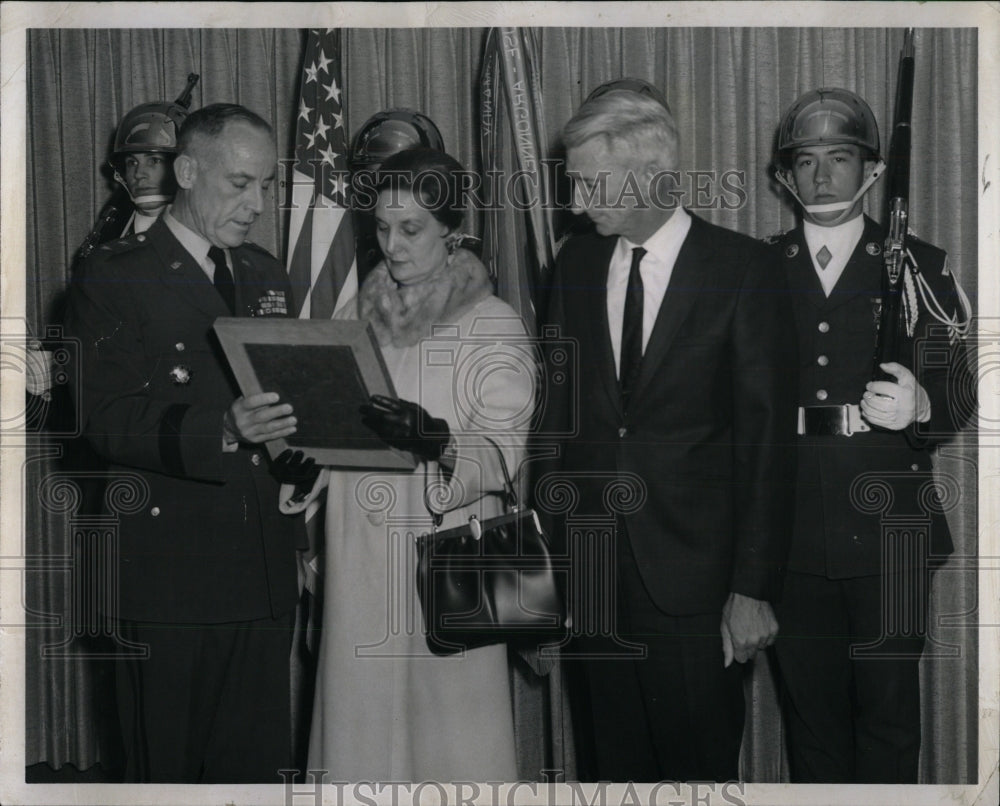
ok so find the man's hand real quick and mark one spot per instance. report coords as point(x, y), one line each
point(747, 626)
point(895, 405)
point(257, 419)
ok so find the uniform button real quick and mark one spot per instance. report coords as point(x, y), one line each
point(179, 347)
point(255, 459)
point(140, 238)
point(821, 394)
point(622, 431)
point(856, 539)
point(155, 512)
point(822, 360)
point(824, 327)
point(914, 467)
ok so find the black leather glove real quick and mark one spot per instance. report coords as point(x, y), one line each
point(406, 426)
point(292, 467)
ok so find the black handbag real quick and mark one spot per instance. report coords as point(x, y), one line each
point(489, 582)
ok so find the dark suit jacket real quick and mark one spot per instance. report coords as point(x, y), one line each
point(710, 426)
point(849, 486)
point(203, 540)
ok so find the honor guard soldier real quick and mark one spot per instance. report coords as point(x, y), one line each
point(142, 165)
point(853, 714)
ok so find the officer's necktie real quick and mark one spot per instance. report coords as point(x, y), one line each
point(223, 278)
point(631, 352)
point(824, 257)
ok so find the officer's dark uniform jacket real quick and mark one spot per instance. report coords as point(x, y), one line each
point(202, 540)
point(848, 486)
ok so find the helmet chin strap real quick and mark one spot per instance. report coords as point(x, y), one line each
point(150, 199)
point(137, 200)
point(844, 207)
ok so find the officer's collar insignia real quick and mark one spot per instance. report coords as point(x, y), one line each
point(792, 250)
point(175, 265)
point(873, 248)
point(180, 375)
point(271, 303)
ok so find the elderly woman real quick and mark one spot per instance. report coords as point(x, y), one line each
point(385, 707)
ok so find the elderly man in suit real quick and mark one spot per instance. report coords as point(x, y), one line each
point(685, 384)
point(865, 447)
point(207, 563)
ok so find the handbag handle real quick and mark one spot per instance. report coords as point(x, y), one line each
point(510, 496)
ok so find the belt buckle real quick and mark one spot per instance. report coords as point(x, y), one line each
point(843, 420)
point(855, 422)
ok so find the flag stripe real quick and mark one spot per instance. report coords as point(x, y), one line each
point(333, 273)
point(298, 264)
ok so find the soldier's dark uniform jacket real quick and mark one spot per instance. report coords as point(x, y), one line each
point(203, 540)
point(849, 486)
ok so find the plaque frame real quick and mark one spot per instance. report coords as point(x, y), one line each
point(243, 339)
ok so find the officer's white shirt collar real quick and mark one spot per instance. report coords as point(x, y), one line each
point(840, 241)
point(196, 245)
point(662, 248)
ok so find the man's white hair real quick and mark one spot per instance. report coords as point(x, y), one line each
point(626, 121)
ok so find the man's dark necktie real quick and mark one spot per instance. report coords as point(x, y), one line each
point(631, 352)
point(223, 278)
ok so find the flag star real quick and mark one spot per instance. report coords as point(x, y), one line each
point(321, 128)
point(311, 72)
point(338, 121)
point(336, 187)
point(304, 110)
point(332, 91)
point(311, 138)
point(329, 155)
point(323, 62)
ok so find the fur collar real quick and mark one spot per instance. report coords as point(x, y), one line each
point(403, 315)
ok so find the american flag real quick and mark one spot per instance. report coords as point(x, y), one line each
point(321, 263)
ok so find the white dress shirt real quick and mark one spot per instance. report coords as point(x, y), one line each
point(839, 242)
point(142, 222)
point(196, 245)
point(656, 267)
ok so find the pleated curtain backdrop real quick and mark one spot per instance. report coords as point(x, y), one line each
point(727, 88)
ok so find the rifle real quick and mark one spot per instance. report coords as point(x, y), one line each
point(895, 308)
point(184, 99)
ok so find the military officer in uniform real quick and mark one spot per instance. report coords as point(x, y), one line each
point(207, 563)
point(852, 716)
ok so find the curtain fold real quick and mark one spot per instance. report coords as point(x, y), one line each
point(727, 88)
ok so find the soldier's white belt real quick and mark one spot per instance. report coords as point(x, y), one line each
point(826, 421)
